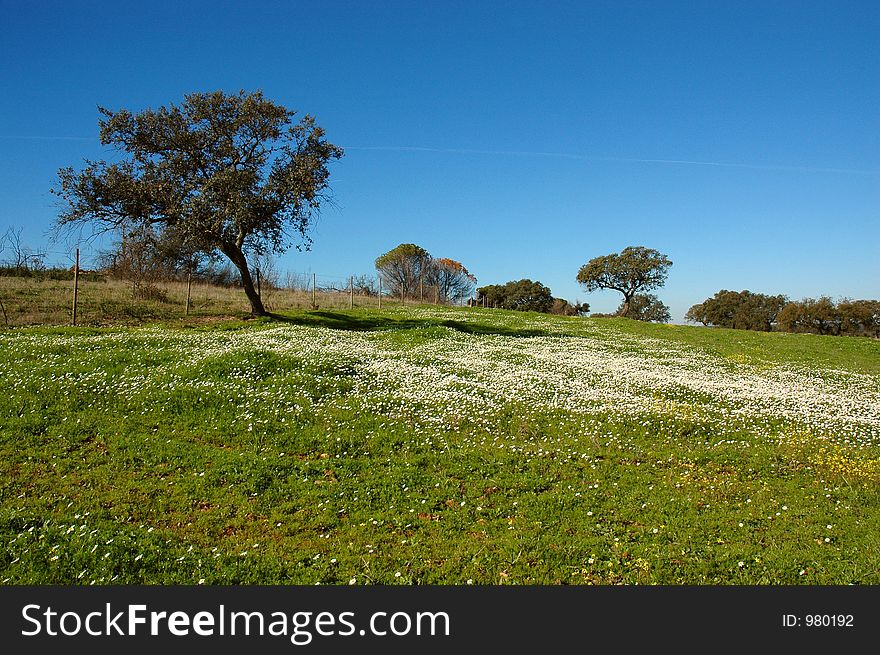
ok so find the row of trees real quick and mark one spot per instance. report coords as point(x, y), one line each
point(633, 271)
point(743, 310)
point(746, 310)
point(234, 175)
point(239, 177)
point(410, 272)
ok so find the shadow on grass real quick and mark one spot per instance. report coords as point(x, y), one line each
point(373, 323)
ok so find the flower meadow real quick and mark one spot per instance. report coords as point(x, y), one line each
point(438, 446)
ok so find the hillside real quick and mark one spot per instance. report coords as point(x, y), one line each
point(438, 446)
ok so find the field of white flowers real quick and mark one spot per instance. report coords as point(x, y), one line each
point(548, 395)
point(456, 374)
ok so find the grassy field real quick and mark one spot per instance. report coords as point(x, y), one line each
point(32, 301)
point(437, 446)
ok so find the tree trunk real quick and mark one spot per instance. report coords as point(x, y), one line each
point(625, 310)
point(236, 256)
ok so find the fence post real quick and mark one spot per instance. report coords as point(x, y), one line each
point(189, 280)
point(380, 292)
point(259, 293)
point(75, 285)
point(351, 292)
point(314, 290)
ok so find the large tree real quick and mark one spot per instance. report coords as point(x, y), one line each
point(633, 270)
point(229, 173)
point(453, 281)
point(404, 268)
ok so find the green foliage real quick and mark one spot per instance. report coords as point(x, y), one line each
point(51, 274)
point(819, 316)
point(745, 310)
point(634, 269)
point(646, 307)
point(519, 295)
point(742, 310)
point(860, 317)
point(219, 173)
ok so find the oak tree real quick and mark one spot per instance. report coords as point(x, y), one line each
point(220, 173)
point(633, 270)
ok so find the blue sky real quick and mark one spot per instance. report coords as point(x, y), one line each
point(522, 139)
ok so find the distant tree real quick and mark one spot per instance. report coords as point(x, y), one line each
point(635, 269)
point(742, 310)
point(697, 314)
point(227, 173)
point(453, 281)
point(364, 285)
point(646, 307)
point(403, 268)
point(519, 295)
point(265, 265)
point(758, 311)
point(818, 316)
point(562, 307)
point(22, 259)
point(141, 256)
point(860, 317)
point(792, 318)
point(492, 295)
point(135, 257)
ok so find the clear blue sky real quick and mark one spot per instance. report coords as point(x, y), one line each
point(521, 139)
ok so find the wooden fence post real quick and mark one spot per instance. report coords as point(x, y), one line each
point(380, 292)
point(189, 280)
point(75, 285)
point(314, 291)
point(351, 292)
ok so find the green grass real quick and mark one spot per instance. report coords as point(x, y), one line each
point(437, 446)
point(849, 353)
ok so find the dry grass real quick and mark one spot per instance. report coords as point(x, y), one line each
point(29, 301)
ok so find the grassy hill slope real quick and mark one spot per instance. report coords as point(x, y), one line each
point(433, 446)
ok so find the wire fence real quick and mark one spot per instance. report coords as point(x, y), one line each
point(62, 293)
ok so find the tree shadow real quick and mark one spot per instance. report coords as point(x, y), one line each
point(374, 323)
